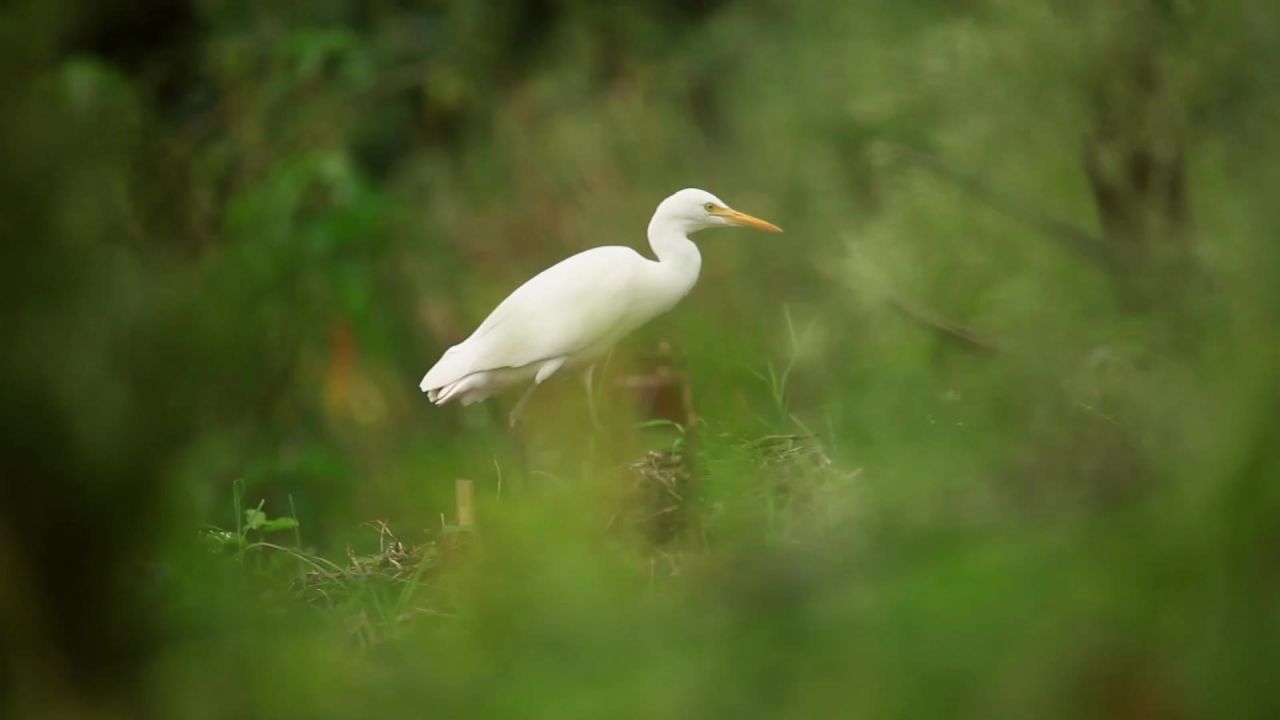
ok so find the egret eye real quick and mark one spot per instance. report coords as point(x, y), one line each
point(709, 207)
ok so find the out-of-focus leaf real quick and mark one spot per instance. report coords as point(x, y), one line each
point(280, 523)
point(254, 519)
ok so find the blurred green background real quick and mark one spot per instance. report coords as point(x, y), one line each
point(992, 430)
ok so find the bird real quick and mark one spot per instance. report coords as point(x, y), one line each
point(573, 313)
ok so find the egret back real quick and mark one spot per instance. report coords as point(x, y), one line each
point(584, 302)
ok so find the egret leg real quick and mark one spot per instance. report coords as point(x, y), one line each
point(514, 416)
point(546, 370)
point(587, 378)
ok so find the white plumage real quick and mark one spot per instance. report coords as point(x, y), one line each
point(570, 314)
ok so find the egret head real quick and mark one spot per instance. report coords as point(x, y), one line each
point(692, 210)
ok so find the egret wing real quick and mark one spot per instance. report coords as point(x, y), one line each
point(579, 302)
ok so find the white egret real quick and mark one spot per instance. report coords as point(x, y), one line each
point(572, 313)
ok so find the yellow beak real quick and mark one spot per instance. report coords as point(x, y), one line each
point(742, 219)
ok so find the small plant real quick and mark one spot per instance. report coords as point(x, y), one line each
point(777, 379)
point(375, 592)
point(253, 520)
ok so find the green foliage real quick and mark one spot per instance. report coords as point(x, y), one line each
point(251, 520)
point(989, 431)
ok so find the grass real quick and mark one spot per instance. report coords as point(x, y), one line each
point(662, 506)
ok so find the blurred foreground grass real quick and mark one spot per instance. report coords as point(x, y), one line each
point(991, 430)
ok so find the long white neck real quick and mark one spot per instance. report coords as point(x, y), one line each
point(678, 256)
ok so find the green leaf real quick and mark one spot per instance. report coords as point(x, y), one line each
point(280, 523)
point(254, 519)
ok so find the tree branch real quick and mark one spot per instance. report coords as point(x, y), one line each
point(1069, 236)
